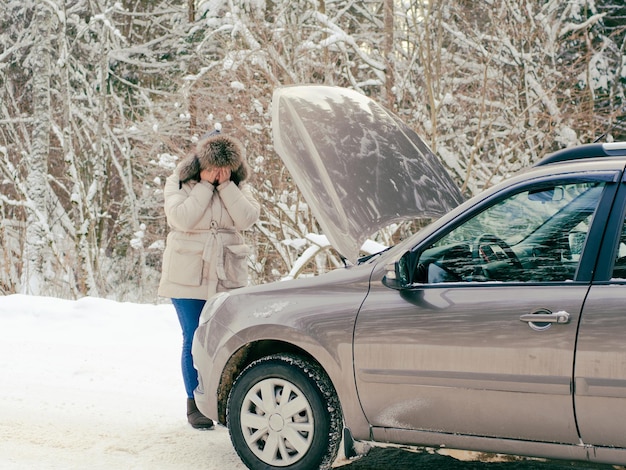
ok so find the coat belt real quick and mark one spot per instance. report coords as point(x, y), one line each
point(214, 246)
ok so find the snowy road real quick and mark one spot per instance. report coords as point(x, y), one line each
point(95, 384)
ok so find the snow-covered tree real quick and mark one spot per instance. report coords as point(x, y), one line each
point(496, 85)
point(35, 187)
point(99, 99)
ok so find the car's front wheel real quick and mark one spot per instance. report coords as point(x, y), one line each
point(283, 412)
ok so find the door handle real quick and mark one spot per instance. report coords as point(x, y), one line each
point(542, 319)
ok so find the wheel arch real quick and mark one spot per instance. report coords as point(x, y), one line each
point(248, 354)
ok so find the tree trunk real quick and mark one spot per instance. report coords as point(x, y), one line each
point(35, 252)
point(388, 51)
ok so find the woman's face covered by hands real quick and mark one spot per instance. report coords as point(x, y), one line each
point(215, 175)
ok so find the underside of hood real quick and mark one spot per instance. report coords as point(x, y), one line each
point(357, 165)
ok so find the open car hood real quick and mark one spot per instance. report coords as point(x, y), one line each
point(357, 165)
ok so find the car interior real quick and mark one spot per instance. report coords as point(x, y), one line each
point(533, 236)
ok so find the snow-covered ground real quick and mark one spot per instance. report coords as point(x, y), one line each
point(97, 384)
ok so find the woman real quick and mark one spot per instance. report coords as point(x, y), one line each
point(207, 204)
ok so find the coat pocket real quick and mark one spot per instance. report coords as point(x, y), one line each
point(185, 263)
point(235, 266)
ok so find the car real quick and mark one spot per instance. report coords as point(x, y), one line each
point(499, 327)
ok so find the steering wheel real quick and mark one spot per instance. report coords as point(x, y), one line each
point(482, 250)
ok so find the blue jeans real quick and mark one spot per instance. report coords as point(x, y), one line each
point(188, 311)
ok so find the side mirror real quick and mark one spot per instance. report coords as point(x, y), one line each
point(391, 279)
point(397, 274)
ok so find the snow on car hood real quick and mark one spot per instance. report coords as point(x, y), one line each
point(357, 165)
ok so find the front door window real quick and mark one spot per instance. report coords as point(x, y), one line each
point(535, 235)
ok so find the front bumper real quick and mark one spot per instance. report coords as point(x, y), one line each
point(207, 361)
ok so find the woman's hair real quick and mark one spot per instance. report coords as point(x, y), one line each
point(215, 151)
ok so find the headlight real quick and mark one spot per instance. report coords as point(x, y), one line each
point(212, 305)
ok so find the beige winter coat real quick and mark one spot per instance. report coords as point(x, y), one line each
point(205, 251)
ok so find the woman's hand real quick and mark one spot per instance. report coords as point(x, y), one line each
point(215, 175)
point(209, 175)
point(223, 175)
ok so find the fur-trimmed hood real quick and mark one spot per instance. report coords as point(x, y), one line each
point(215, 151)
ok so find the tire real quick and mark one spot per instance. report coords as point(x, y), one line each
point(266, 433)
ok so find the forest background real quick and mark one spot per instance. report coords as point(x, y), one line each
point(99, 100)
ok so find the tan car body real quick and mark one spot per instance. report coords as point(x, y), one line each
point(459, 364)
